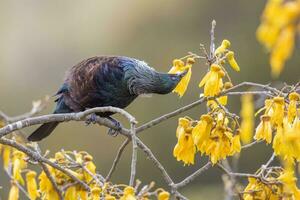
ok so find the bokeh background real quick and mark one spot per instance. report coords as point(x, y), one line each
point(40, 40)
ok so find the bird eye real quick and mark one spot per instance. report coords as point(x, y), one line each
point(173, 78)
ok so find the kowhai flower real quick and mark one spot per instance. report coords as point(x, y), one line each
point(46, 187)
point(179, 67)
point(128, 194)
point(277, 32)
point(18, 165)
point(232, 61)
point(294, 98)
point(277, 116)
point(224, 46)
point(185, 149)
point(32, 185)
point(13, 192)
point(212, 81)
point(6, 156)
point(95, 193)
point(90, 166)
point(71, 193)
point(201, 131)
point(247, 114)
point(264, 129)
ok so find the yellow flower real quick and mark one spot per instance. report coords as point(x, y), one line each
point(294, 97)
point(221, 49)
point(179, 67)
point(236, 145)
point(247, 114)
point(109, 197)
point(183, 124)
point(269, 110)
point(257, 190)
point(232, 61)
point(288, 179)
point(212, 81)
point(163, 195)
point(277, 31)
point(286, 142)
point(278, 142)
point(185, 149)
point(223, 100)
point(277, 116)
point(47, 188)
point(71, 193)
point(283, 49)
point(14, 192)
point(276, 186)
point(60, 157)
point(95, 193)
point(90, 166)
point(264, 129)
point(18, 165)
point(219, 144)
point(6, 156)
point(201, 131)
point(78, 157)
point(267, 35)
point(128, 194)
point(31, 185)
point(83, 194)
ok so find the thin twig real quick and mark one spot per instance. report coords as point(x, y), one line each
point(134, 154)
point(212, 39)
point(37, 107)
point(117, 158)
point(190, 178)
point(52, 180)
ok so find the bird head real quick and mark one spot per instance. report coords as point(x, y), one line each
point(143, 79)
point(169, 81)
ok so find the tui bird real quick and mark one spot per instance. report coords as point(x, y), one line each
point(106, 81)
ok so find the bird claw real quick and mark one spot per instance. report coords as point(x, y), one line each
point(114, 132)
point(91, 119)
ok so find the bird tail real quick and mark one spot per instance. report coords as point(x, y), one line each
point(43, 131)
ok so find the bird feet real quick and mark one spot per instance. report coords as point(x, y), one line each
point(91, 119)
point(118, 125)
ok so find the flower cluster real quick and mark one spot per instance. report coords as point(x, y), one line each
point(210, 136)
point(276, 184)
point(214, 138)
point(277, 32)
point(213, 134)
point(281, 117)
point(80, 165)
point(213, 81)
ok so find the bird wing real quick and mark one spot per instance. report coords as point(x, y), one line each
point(84, 81)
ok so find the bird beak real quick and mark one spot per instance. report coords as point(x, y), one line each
point(182, 74)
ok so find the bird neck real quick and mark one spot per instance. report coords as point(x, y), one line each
point(143, 80)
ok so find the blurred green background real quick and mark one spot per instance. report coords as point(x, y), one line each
point(40, 40)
